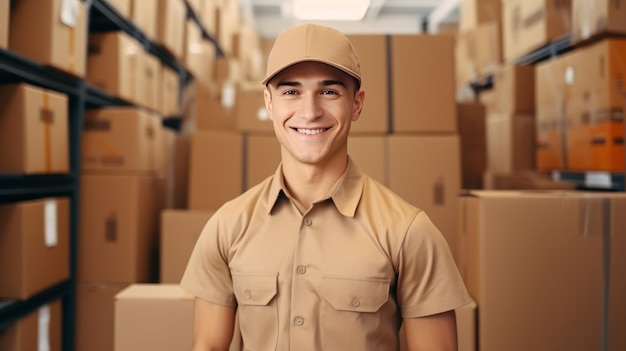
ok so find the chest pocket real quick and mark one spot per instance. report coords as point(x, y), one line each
point(355, 295)
point(257, 309)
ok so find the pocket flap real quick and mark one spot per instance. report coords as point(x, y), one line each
point(255, 289)
point(358, 295)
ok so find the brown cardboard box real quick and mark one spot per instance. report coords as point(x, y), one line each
point(156, 317)
point(95, 316)
point(208, 16)
point(114, 65)
point(180, 230)
point(370, 153)
point(216, 169)
point(152, 82)
point(4, 23)
point(169, 94)
point(514, 87)
point(33, 130)
point(426, 171)
point(476, 12)
point(423, 83)
point(49, 34)
point(596, 18)
point(34, 246)
point(568, 237)
point(209, 51)
point(120, 139)
point(262, 157)
point(510, 142)
point(119, 218)
point(122, 6)
point(251, 114)
point(204, 106)
point(170, 27)
point(471, 120)
point(530, 24)
point(617, 286)
point(193, 53)
point(38, 328)
point(372, 51)
point(144, 15)
point(483, 48)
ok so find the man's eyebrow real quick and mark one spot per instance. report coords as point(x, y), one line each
point(333, 82)
point(289, 84)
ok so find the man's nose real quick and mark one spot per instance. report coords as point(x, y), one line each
point(310, 107)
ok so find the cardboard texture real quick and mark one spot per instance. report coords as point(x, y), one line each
point(250, 112)
point(154, 317)
point(473, 13)
point(262, 157)
point(369, 152)
point(216, 169)
point(373, 57)
point(121, 139)
point(426, 171)
point(537, 264)
point(514, 88)
point(39, 330)
point(152, 81)
point(193, 54)
point(180, 230)
point(114, 65)
point(169, 94)
point(471, 119)
point(4, 23)
point(510, 143)
point(144, 15)
point(530, 24)
point(479, 51)
point(95, 316)
point(33, 130)
point(118, 234)
point(34, 246)
point(594, 19)
point(46, 32)
point(203, 106)
point(170, 28)
point(423, 95)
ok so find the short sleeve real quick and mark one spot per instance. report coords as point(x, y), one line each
point(428, 279)
point(208, 274)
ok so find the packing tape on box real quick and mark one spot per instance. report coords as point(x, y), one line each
point(47, 118)
point(70, 11)
point(51, 237)
point(43, 330)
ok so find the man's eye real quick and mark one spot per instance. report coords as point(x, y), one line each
point(329, 92)
point(289, 92)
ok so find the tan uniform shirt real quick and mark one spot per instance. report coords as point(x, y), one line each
point(341, 276)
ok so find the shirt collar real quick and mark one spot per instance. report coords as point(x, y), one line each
point(346, 194)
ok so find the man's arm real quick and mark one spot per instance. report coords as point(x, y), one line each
point(431, 333)
point(213, 326)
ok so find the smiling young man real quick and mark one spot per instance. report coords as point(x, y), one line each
point(319, 256)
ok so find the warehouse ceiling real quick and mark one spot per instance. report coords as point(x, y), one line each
point(382, 16)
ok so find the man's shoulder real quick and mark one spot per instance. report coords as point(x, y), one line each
point(250, 200)
point(376, 192)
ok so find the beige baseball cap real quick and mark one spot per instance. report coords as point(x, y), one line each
point(312, 42)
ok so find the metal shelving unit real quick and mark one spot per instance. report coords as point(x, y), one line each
point(20, 187)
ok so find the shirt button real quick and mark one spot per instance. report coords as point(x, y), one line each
point(299, 321)
point(301, 269)
point(356, 303)
point(247, 294)
point(308, 221)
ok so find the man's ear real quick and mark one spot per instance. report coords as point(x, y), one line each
point(267, 98)
point(357, 106)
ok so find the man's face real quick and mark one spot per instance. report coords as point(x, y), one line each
point(312, 106)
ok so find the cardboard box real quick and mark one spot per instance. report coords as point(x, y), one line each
point(118, 234)
point(156, 317)
point(570, 237)
point(50, 33)
point(169, 96)
point(473, 13)
point(514, 87)
point(34, 246)
point(530, 24)
point(180, 230)
point(122, 6)
point(114, 65)
point(372, 51)
point(483, 51)
point(207, 74)
point(39, 330)
point(216, 169)
point(249, 104)
point(193, 53)
point(144, 15)
point(95, 316)
point(426, 171)
point(4, 23)
point(208, 16)
point(510, 143)
point(33, 130)
point(204, 107)
point(423, 83)
point(152, 82)
point(170, 27)
point(593, 19)
point(262, 157)
point(120, 139)
point(370, 153)
point(551, 151)
point(471, 120)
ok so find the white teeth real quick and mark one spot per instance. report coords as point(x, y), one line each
point(310, 131)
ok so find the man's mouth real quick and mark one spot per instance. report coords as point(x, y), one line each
point(311, 131)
